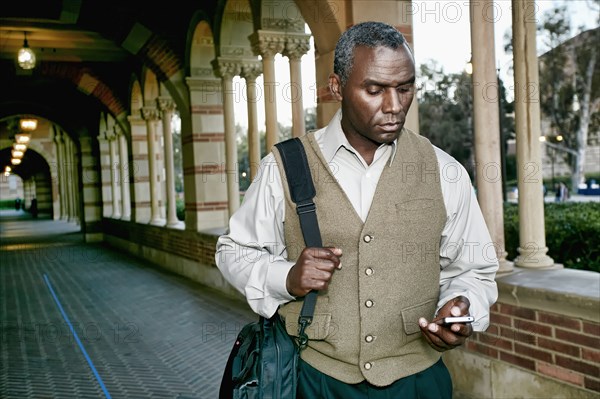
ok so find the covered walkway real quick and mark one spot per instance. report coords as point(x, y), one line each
point(85, 321)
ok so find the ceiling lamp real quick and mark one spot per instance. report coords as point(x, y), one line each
point(15, 161)
point(22, 138)
point(28, 124)
point(17, 154)
point(26, 56)
point(19, 147)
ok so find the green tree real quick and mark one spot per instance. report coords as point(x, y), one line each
point(569, 82)
point(445, 111)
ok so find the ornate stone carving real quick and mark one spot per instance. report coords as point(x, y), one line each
point(202, 72)
point(251, 70)
point(227, 68)
point(296, 46)
point(150, 113)
point(267, 44)
point(166, 104)
point(288, 24)
point(199, 84)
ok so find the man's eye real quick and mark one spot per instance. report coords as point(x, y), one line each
point(405, 89)
point(373, 90)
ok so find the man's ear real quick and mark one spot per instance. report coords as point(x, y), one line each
point(335, 86)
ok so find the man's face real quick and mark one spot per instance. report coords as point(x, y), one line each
point(377, 95)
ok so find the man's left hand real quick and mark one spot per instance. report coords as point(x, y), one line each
point(442, 337)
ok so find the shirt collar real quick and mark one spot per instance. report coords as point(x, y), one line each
point(333, 138)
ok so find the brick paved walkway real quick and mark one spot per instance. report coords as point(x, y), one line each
point(146, 333)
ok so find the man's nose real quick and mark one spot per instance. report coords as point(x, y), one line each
point(391, 102)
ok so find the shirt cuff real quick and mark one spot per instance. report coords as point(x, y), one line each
point(276, 286)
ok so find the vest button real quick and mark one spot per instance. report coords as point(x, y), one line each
point(369, 303)
point(369, 271)
point(367, 238)
point(368, 366)
point(369, 338)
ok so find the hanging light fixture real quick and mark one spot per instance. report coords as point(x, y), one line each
point(26, 56)
point(28, 124)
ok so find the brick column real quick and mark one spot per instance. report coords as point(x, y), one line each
point(124, 174)
point(203, 156)
point(139, 170)
point(92, 198)
point(114, 178)
point(60, 166)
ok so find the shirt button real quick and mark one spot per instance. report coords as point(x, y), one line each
point(368, 366)
point(369, 338)
point(367, 238)
point(369, 271)
point(369, 303)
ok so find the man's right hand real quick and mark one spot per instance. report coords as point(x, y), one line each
point(313, 270)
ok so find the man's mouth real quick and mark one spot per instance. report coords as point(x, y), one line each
point(390, 126)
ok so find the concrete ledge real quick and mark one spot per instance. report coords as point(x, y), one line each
point(574, 293)
point(478, 377)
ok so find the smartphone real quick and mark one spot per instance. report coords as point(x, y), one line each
point(459, 319)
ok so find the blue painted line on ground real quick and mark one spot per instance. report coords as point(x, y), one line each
point(85, 354)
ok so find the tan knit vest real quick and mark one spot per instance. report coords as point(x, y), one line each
point(366, 323)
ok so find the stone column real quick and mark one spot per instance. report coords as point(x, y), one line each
point(532, 238)
point(167, 106)
point(296, 46)
point(267, 45)
point(114, 178)
point(71, 189)
point(60, 166)
point(124, 174)
point(250, 72)
point(150, 115)
point(486, 125)
point(91, 194)
point(227, 69)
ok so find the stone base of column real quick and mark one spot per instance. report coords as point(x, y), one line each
point(157, 222)
point(179, 225)
point(534, 258)
point(506, 266)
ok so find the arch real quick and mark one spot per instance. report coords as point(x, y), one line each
point(234, 23)
point(136, 97)
point(151, 88)
point(202, 51)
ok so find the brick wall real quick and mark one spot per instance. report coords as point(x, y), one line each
point(192, 245)
point(553, 345)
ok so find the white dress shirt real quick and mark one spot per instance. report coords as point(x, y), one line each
point(253, 258)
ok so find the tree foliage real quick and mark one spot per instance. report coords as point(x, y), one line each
point(445, 111)
point(569, 83)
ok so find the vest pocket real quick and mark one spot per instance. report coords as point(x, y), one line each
point(410, 315)
point(318, 330)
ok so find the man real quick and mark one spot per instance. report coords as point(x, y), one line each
point(406, 244)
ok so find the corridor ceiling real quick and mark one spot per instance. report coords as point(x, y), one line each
point(71, 36)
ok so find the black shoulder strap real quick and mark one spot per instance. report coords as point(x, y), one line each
point(302, 191)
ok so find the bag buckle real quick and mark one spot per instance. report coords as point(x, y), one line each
point(306, 208)
point(303, 322)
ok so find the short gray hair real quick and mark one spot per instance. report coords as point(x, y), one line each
point(369, 34)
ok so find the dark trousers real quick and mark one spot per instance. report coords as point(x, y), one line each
point(431, 383)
